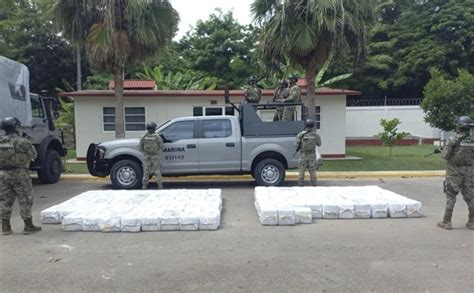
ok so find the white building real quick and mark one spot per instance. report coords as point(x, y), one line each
point(95, 113)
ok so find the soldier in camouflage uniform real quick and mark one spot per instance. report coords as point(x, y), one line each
point(306, 142)
point(253, 94)
point(150, 145)
point(281, 94)
point(459, 154)
point(16, 153)
point(294, 96)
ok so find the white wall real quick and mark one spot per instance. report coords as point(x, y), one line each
point(89, 125)
point(365, 121)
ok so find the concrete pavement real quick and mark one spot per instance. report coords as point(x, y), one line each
point(389, 255)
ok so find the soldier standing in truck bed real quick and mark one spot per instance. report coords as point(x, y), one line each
point(281, 93)
point(293, 97)
point(150, 145)
point(16, 154)
point(253, 94)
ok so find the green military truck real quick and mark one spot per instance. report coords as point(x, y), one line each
point(36, 114)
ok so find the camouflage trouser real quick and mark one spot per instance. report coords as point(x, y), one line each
point(459, 180)
point(278, 114)
point(307, 162)
point(15, 184)
point(151, 166)
point(289, 113)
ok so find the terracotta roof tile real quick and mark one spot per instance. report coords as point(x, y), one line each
point(135, 84)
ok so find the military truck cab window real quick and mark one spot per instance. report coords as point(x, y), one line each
point(178, 130)
point(36, 107)
point(218, 128)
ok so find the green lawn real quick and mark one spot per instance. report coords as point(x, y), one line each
point(374, 158)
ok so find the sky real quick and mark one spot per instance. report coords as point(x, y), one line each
point(190, 11)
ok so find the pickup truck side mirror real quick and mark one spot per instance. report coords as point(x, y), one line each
point(164, 138)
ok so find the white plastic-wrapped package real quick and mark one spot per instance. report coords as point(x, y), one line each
point(170, 220)
point(413, 208)
point(209, 220)
point(332, 203)
point(303, 215)
point(131, 221)
point(286, 216)
point(267, 213)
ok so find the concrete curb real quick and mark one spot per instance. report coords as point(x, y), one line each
point(289, 175)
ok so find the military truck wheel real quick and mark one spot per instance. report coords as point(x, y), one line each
point(126, 174)
point(269, 172)
point(51, 168)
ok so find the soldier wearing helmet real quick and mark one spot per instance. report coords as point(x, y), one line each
point(253, 94)
point(150, 145)
point(294, 96)
point(281, 93)
point(16, 153)
point(306, 142)
point(459, 154)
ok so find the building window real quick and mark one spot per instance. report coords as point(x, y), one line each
point(108, 114)
point(134, 118)
point(318, 117)
point(216, 128)
point(213, 111)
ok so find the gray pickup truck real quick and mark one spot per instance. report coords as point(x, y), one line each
point(212, 145)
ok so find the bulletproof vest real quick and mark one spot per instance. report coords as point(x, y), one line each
point(151, 144)
point(463, 153)
point(308, 143)
point(9, 155)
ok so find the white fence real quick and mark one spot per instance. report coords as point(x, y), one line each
point(365, 121)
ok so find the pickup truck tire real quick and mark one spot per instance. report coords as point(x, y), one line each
point(51, 169)
point(126, 174)
point(269, 172)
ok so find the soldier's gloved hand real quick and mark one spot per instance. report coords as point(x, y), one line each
point(437, 151)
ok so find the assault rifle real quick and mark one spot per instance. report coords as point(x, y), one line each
point(436, 151)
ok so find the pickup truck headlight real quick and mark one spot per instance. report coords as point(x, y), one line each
point(100, 152)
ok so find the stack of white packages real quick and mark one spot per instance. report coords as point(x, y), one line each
point(137, 210)
point(293, 205)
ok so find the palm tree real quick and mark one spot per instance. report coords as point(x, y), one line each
point(307, 32)
point(74, 21)
point(121, 33)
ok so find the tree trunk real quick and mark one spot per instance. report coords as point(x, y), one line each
point(79, 69)
point(119, 111)
point(310, 96)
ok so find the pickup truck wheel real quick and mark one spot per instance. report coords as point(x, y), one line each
point(269, 172)
point(126, 174)
point(51, 168)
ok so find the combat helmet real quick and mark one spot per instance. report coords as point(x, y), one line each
point(151, 126)
point(10, 124)
point(463, 122)
point(309, 123)
point(253, 79)
point(293, 77)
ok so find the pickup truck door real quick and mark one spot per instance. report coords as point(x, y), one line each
point(219, 145)
point(180, 148)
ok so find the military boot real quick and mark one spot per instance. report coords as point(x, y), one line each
point(30, 228)
point(6, 227)
point(470, 222)
point(446, 223)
